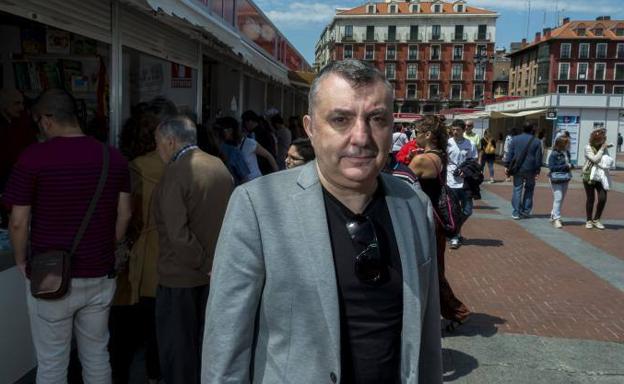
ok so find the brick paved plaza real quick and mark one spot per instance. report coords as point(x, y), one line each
point(548, 304)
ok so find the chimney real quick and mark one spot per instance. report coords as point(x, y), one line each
point(546, 32)
point(524, 43)
point(603, 18)
point(566, 20)
point(538, 37)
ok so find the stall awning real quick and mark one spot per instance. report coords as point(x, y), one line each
point(498, 115)
point(193, 13)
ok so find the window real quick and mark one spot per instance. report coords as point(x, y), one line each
point(618, 89)
point(480, 73)
point(619, 54)
point(411, 91)
point(369, 52)
point(566, 49)
point(393, 8)
point(459, 32)
point(414, 33)
point(412, 52)
point(456, 72)
point(459, 8)
point(458, 52)
point(600, 70)
point(580, 31)
point(481, 51)
point(435, 52)
point(581, 89)
point(437, 8)
point(456, 90)
point(562, 89)
point(584, 51)
point(434, 91)
point(370, 33)
point(434, 72)
point(348, 31)
point(619, 72)
point(436, 32)
point(482, 32)
point(564, 71)
point(392, 33)
point(581, 73)
point(601, 51)
point(598, 32)
point(348, 51)
point(478, 91)
point(415, 8)
point(391, 52)
point(370, 8)
point(412, 71)
point(619, 32)
point(599, 89)
point(390, 71)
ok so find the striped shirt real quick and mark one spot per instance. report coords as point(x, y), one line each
point(58, 179)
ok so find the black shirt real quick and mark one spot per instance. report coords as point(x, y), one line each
point(370, 315)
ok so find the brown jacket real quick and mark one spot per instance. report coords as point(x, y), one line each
point(188, 206)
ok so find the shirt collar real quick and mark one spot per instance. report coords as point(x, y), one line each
point(183, 151)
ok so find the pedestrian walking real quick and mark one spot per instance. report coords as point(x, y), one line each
point(87, 181)
point(459, 150)
point(324, 273)
point(488, 144)
point(524, 164)
point(620, 141)
point(428, 165)
point(188, 208)
point(560, 175)
point(596, 177)
point(514, 131)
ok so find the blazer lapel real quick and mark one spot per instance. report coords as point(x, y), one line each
point(317, 245)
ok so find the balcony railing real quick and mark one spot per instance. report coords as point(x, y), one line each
point(460, 36)
point(347, 38)
point(391, 37)
point(436, 37)
point(414, 37)
point(483, 36)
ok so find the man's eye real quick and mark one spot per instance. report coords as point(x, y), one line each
point(339, 120)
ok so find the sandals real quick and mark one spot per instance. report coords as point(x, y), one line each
point(454, 324)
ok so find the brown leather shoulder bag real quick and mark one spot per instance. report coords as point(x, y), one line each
point(50, 272)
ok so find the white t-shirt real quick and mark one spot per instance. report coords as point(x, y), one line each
point(457, 154)
point(248, 149)
point(399, 139)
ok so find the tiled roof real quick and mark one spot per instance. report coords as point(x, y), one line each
point(569, 31)
point(425, 8)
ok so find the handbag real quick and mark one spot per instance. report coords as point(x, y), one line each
point(447, 210)
point(560, 177)
point(50, 272)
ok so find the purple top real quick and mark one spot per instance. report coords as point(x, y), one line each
point(58, 179)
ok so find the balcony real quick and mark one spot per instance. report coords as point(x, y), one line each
point(416, 37)
point(370, 37)
point(392, 38)
point(483, 36)
point(347, 39)
point(460, 37)
point(436, 37)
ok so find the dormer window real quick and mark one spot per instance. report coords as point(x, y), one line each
point(370, 8)
point(459, 7)
point(619, 31)
point(598, 32)
point(437, 8)
point(581, 32)
point(393, 8)
point(414, 8)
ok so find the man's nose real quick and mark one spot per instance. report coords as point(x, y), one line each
point(361, 132)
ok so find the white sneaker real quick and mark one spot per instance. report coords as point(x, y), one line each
point(492, 180)
point(589, 224)
point(598, 224)
point(557, 223)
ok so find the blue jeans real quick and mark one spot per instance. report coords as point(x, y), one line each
point(466, 203)
point(559, 191)
point(522, 199)
point(490, 164)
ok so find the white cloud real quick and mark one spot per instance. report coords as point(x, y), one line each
point(600, 6)
point(303, 13)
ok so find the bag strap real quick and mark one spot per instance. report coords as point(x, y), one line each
point(94, 199)
point(525, 151)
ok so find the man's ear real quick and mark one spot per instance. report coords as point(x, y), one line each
point(308, 126)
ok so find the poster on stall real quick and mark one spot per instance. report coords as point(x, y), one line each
point(181, 76)
point(572, 125)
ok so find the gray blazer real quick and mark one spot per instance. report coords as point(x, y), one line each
point(272, 314)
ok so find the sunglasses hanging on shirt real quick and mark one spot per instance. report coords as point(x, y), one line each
point(369, 265)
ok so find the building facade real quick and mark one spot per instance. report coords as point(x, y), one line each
point(437, 54)
point(584, 57)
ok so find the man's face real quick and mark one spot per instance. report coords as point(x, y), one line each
point(469, 127)
point(457, 132)
point(15, 107)
point(165, 146)
point(351, 131)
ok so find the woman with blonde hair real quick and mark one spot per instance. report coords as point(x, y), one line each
point(559, 165)
point(596, 177)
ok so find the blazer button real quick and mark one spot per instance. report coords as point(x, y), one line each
point(333, 377)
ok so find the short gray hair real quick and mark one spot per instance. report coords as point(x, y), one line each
point(357, 72)
point(58, 104)
point(180, 127)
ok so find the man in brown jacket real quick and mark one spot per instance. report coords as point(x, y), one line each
point(188, 207)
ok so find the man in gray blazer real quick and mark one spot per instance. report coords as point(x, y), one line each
point(326, 273)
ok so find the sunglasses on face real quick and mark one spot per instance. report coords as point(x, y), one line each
point(369, 265)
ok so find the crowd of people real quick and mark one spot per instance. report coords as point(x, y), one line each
point(257, 251)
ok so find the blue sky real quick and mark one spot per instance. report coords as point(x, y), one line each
point(302, 22)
